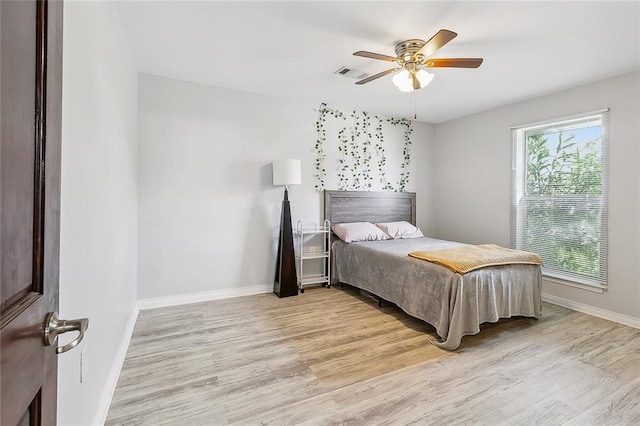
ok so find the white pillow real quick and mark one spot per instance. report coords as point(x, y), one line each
point(402, 229)
point(358, 231)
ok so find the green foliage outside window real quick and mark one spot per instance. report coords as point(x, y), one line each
point(563, 200)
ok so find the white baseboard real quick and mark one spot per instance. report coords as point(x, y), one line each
point(183, 299)
point(114, 372)
point(592, 310)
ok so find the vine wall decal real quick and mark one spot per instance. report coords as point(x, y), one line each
point(361, 155)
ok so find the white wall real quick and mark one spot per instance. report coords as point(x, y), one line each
point(473, 180)
point(208, 214)
point(424, 178)
point(98, 258)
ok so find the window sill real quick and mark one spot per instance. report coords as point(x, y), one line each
point(574, 284)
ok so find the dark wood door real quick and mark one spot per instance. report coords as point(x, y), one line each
point(30, 128)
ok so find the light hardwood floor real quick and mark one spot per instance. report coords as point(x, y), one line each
point(331, 356)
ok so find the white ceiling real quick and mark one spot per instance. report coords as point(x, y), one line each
point(292, 49)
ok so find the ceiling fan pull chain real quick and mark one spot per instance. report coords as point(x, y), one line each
point(412, 105)
point(415, 115)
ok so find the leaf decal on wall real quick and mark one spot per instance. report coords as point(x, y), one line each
point(356, 146)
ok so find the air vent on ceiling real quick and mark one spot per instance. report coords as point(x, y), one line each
point(350, 72)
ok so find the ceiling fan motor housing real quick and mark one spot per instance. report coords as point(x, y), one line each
point(406, 50)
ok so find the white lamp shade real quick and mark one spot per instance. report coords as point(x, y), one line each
point(404, 79)
point(286, 172)
point(424, 77)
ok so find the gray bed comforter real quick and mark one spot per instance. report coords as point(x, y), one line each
point(454, 304)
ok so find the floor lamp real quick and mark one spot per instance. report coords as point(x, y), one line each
point(285, 173)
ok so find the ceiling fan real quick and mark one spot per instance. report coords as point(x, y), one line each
point(412, 56)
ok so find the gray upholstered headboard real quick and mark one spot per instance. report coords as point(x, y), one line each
point(369, 206)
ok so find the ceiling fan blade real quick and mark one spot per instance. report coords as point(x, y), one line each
point(453, 63)
point(441, 38)
point(372, 55)
point(375, 76)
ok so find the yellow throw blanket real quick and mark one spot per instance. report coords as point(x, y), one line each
point(465, 259)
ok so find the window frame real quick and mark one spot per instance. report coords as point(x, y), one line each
point(518, 182)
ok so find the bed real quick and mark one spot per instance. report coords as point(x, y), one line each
point(455, 304)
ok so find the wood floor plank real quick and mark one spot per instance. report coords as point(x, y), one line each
point(332, 356)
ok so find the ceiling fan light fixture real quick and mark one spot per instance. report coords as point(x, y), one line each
point(403, 81)
point(408, 81)
point(424, 77)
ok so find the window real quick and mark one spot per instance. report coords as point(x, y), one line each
point(559, 196)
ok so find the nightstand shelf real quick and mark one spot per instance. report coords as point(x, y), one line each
point(313, 246)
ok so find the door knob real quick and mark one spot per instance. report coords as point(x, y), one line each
point(54, 326)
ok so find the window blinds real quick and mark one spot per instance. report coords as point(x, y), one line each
point(559, 200)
